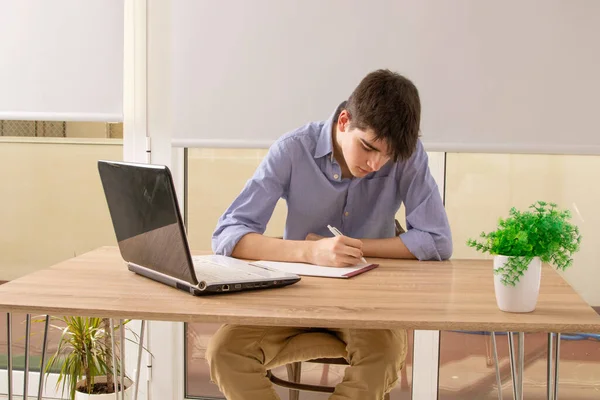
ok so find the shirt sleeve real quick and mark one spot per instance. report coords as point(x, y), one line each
point(252, 209)
point(428, 234)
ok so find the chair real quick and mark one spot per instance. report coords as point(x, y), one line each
point(294, 372)
point(294, 369)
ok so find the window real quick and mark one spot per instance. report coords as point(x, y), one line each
point(61, 129)
point(479, 189)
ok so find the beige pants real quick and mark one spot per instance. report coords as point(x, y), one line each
point(240, 355)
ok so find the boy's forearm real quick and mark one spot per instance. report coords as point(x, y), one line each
point(386, 248)
point(254, 246)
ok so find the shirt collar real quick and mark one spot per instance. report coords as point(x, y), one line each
point(324, 143)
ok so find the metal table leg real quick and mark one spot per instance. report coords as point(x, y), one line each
point(496, 363)
point(43, 362)
point(27, 343)
point(26, 372)
point(122, 359)
point(549, 388)
point(517, 367)
point(513, 368)
point(114, 362)
point(9, 345)
point(552, 382)
point(122, 353)
point(556, 366)
point(139, 361)
point(521, 363)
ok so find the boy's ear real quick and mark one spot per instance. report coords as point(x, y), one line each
point(343, 122)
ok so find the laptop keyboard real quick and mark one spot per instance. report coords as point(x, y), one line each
point(213, 272)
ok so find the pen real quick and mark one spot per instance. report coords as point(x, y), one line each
point(336, 232)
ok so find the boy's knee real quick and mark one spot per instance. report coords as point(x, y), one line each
point(215, 344)
point(383, 347)
point(230, 341)
point(392, 346)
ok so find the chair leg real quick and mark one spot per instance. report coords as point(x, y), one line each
point(325, 375)
point(488, 350)
point(294, 371)
point(297, 377)
point(404, 384)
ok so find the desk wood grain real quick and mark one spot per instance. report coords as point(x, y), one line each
point(450, 295)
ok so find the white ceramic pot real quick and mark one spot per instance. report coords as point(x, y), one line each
point(111, 396)
point(522, 297)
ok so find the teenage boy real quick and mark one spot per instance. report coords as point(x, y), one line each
point(352, 171)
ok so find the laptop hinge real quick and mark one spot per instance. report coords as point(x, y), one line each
point(201, 285)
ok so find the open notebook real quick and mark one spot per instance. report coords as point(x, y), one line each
point(317, 270)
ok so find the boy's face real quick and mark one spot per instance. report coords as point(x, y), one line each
point(362, 153)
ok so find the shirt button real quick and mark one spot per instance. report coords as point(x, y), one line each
point(346, 213)
point(335, 176)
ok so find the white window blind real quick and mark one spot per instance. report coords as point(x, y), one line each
point(62, 60)
point(499, 76)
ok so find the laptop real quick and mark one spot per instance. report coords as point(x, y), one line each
point(152, 240)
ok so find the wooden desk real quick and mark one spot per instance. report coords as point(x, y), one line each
point(451, 295)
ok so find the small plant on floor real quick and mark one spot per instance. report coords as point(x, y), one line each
point(542, 231)
point(84, 351)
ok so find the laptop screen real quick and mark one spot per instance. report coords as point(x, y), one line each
point(145, 215)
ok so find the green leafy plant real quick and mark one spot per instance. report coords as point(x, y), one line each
point(542, 231)
point(84, 351)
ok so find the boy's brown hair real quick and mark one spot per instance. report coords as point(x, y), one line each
point(389, 104)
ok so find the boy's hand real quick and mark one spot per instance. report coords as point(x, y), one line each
point(340, 251)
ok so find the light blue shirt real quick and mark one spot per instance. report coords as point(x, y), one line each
point(300, 168)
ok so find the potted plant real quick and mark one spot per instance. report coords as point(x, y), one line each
point(520, 244)
point(84, 358)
